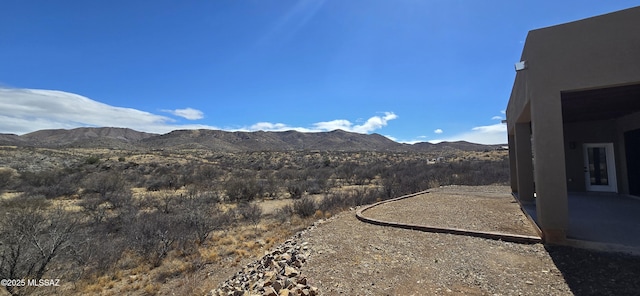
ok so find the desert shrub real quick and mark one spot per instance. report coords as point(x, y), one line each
point(94, 159)
point(22, 200)
point(163, 178)
point(154, 186)
point(163, 202)
point(110, 186)
point(31, 239)
point(333, 202)
point(250, 212)
point(95, 208)
point(286, 174)
point(338, 201)
point(7, 178)
point(105, 183)
point(208, 173)
point(51, 183)
point(284, 213)
point(241, 190)
point(365, 197)
point(152, 235)
point(201, 217)
point(305, 207)
point(295, 190)
point(269, 186)
point(316, 185)
point(94, 253)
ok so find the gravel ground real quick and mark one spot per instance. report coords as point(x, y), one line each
point(350, 257)
point(485, 208)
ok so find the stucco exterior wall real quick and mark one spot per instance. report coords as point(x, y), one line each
point(593, 53)
point(586, 54)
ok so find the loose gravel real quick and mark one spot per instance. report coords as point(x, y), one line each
point(344, 256)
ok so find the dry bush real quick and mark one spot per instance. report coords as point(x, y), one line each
point(305, 207)
point(50, 183)
point(7, 178)
point(31, 239)
point(295, 190)
point(284, 213)
point(250, 212)
point(172, 268)
point(95, 208)
point(239, 189)
point(152, 235)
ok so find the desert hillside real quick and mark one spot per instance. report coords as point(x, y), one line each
point(122, 212)
point(123, 138)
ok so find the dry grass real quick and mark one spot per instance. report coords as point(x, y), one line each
point(192, 274)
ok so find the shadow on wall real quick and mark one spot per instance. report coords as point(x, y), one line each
point(597, 273)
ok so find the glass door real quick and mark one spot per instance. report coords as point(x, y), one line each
point(600, 170)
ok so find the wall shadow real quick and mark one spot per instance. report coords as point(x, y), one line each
point(590, 272)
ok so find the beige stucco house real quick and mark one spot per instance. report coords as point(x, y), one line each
point(574, 115)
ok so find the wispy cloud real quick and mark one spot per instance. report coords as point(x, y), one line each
point(27, 110)
point(187, 113)
point(438, 131)
point(413, 141)
point(496, 118)
point(487, 134)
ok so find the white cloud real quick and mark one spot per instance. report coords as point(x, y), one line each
point(496, 118)
point(438, 131)
point(372, 124)
point(503, 111)
point(188, 113)
point(418, 139)
point(268, 126)
point(27, 110)
point(488, 134)
point(342, 124)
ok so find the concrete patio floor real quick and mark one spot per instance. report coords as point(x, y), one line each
point(610, 221)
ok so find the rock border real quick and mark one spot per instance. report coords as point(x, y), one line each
point(514, 238)
point(277, 273)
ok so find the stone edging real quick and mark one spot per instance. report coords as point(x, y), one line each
point(515, 238)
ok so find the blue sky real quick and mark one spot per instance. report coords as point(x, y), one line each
point(411, 70)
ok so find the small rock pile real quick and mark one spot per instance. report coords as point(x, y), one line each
point(277, 273)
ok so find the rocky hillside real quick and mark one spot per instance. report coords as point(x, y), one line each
point(271, 141)
point(123, 138)
point(84, 137)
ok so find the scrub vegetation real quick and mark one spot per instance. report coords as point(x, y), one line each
point(152, 221)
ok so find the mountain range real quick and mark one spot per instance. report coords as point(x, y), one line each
point(124, 138)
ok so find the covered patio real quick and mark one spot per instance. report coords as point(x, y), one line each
point(605, 221)
point(574, 131)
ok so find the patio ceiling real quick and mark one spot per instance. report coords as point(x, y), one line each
point(600, 104)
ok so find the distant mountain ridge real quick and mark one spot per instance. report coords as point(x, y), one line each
point(124, 138)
